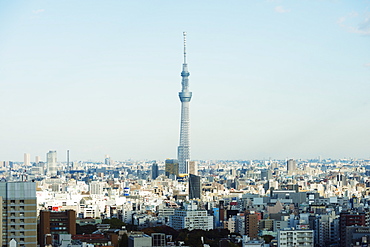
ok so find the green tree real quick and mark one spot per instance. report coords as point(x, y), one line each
point(114, 223)
point(124, 241)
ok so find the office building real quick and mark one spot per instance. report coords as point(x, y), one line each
point(155, 171)
point(251, 225)
point(19, 220)
point(193, 167)
point(195, 189)
point(53, 223)
point(191, 218)
point(27, 160)
point(172, 168)
point(183, 151)
point(51, 163)
point(347, 219)
point(291, 167)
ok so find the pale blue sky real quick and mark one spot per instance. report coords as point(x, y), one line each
point(269, 78)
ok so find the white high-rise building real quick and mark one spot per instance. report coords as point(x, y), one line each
point(27, 160)
point(51, 163)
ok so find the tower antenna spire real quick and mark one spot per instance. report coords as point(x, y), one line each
point(184, 34)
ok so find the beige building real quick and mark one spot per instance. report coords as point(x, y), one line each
point(19, 218)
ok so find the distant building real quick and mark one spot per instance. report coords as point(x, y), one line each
point(291, 167)
point(266, 174)
point(172, 168)
point(96, 187)
point(191, 219)
point(195, 189)
point(51, 162)
point(193, 167)
point(27, 160)
point(155, 171)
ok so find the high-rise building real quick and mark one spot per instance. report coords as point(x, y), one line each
point(19, 214)
point(27, 160)
point(291, 167)
point(193, 167)
point(183, 152)
point(53, 223)
point(37, 159)
point(195, 189)
point(172, 168)
point(51, 161)
point(347, 219)
point(251, 225)
point(107, 160)
point(155, 171)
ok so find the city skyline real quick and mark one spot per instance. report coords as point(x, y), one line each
point(271, 78)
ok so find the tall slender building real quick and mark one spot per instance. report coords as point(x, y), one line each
point(51, 159)
point(183, 152)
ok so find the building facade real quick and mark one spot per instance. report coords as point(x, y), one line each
point(19, 214)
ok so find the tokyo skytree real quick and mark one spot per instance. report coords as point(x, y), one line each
point(183, 151)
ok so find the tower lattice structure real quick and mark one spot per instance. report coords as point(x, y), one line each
point(183, 152)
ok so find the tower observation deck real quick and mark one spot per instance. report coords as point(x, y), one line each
point(183, 151)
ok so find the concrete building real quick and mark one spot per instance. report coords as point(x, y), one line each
point(27, 160)
point(19, 214)
point(139, 240)
point(51, 163)
point(295, 237)
point(172, 168)
point(155, 171)
point(195, 189)
point(53, 223)
point(158, 239)
point(193, 167)
point(251, 225)
point(291, 167)
point(191, 219)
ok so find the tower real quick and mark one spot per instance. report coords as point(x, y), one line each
point(183, 152)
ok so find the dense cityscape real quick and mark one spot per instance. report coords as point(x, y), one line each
point(265, 143)
point(244, 203)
